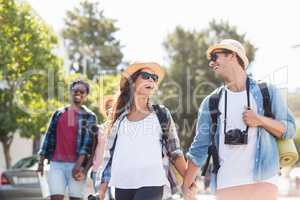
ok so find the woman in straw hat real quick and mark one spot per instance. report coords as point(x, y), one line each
point(135, 164)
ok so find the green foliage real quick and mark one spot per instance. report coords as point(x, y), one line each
point(27, 64)
point(89, 38)
point(189, 79)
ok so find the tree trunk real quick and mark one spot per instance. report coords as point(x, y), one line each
point(6, 143)
point(36, 144)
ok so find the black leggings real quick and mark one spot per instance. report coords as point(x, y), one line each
point(143, 193)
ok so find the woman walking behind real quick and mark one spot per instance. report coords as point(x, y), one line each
point(135, 165)
point(105, 109)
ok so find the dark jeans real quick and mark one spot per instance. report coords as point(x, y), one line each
point(143, 193)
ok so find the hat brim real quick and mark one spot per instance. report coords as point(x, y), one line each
point(156, 68)
point(229, 47)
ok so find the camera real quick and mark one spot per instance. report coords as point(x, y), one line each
point(236, 137)
point(93, 197)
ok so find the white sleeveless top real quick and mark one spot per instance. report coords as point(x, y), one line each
point(137, 159)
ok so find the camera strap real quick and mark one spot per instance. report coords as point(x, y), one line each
point(248, 105)
point(214, 114)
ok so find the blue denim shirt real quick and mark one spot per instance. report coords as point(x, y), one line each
point(266, 156)
point(84, 133)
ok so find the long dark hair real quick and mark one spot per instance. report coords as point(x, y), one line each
point(125, 98)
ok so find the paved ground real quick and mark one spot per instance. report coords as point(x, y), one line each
point(211, 197)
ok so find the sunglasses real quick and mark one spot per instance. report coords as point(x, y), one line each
point(146, 76)
point(75, 90)
point(214, 56)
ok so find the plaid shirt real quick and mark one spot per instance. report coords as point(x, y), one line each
point(171, 151)
point(86, 119)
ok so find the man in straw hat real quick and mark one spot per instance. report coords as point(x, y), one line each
point(232, 128)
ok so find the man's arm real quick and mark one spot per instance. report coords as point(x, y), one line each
point(198, 150)
point(46, 142)
point(272, 126)
point(283, 126)
point(102, 190)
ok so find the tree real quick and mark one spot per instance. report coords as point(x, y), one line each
point(189, 78)
point(27, 61)
point(89, 38)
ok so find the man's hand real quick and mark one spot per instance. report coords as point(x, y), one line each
point(101, 196)
point(190, 193)
point(78, 173)
point(251, 119)
point(102, 190)
point(40, 168)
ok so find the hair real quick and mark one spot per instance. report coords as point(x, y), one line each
point(79, 81)
point(125, 98)
point(240, 61)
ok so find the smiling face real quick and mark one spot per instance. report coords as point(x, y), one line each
point(146, 82)
point(78, 94)
point(222, 62)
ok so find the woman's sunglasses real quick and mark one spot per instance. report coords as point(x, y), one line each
point(146, 76)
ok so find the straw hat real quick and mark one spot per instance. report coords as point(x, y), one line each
point(136, 66)
point(232, 45)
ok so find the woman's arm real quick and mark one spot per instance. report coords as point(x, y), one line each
point(181, 165)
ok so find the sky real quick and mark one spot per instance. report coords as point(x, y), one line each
point(272, 26)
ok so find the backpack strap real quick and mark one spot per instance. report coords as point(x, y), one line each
point(164, 121)
point(266, 100)
point(213, 106)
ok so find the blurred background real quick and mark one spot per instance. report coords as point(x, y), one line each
point(46, 44)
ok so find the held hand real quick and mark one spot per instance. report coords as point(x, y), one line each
point(78, 173)
point(190, 193)
point(101, 196)
point(251, 119)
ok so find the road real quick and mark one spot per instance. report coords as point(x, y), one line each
point(211, 197)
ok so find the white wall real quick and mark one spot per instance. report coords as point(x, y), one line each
point(21, 147)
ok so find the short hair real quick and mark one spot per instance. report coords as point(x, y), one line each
point(79, 81)
point(240, 61)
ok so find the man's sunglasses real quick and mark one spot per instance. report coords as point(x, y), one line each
point(146, 76)
point(75, 90)
point(214, 56)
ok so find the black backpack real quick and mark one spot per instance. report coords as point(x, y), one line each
point(214, 114)
point(162, 115)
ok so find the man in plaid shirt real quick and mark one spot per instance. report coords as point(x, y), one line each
point(68, 144)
